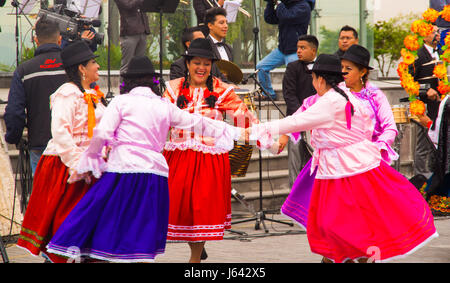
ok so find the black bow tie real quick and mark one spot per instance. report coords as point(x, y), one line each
point(310, 63)
point(220, 44)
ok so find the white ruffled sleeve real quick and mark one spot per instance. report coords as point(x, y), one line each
point(320, 115)
point(224, 133)
point(92, 160)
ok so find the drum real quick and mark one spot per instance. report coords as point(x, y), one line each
point(246, 96)
point(241, 154)
point(400, 114)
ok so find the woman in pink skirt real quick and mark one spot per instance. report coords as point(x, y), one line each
point(361, 209)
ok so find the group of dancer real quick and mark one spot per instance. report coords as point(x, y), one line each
point(111, 187)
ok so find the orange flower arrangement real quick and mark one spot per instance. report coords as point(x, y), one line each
point(422, 28)
point(430, 15)
point(412, 42)
point(402, 69)
point(444, 87)
point(417, 107)
point(445, 13)
point(408, 57)
point(440, 71)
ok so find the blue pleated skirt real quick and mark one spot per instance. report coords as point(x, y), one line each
point(122, 218)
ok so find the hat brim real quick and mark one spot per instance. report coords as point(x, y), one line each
point(80, 60)
point(200, 53)
point(356, 60)
point(318, 71)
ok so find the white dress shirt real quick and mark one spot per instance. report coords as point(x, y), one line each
point(221, 49)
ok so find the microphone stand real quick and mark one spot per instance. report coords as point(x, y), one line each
point(260, 216)
point(109, 94)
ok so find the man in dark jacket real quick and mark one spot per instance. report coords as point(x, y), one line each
point(201, 6)
point(134, 29)
point(216, 21)
point(348, 36)
point(32, 84)
point(423, 73)
point(297, 85)
point(292, 18)
point(442, 24)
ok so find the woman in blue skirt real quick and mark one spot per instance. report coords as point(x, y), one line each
point(124, 216)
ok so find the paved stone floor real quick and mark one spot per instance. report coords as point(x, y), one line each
point(280, 244)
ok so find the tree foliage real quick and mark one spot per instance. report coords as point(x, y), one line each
point(388, 41)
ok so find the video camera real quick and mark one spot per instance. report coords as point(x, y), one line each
point(71, 24)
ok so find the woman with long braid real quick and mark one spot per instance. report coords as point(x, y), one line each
point(361, 209)
point(57, 187)
point(199, 168)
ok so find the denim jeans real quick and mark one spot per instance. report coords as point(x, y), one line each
point(35, 155)
point(273, 60)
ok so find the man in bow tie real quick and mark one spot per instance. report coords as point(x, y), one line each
point(216, 20)
point(422, 70)
point(297, 85)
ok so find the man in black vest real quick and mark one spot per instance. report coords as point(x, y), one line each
point(423, 73)
point(32, 84)
point(297, 85)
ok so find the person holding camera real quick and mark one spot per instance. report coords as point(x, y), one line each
point(134, 29)
point(32, 84)
point(292, 18)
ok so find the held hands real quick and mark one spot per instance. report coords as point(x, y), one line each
point(75, 177)
point(282, 141)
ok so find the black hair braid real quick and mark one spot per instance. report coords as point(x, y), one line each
point(74, 77)
point(333, 81)
point(212, 99)
point(182, 101)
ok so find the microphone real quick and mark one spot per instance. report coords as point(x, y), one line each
point(252, 75)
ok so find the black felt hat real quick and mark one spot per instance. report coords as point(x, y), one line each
point(76, 53)
point(140, 66)
point(200, 47)
point(359, 55)
point(327, 64)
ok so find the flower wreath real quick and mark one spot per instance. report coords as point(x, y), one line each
point(422, 28)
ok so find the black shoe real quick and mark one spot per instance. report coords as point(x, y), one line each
point(204, 254)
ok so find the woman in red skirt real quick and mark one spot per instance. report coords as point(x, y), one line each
point(57, 187)
point(199, 168)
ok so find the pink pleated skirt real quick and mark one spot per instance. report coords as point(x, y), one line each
point(378, 215)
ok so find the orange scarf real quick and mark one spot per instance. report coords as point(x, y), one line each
point(90, 99)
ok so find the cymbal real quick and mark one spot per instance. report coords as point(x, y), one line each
point(230, 70)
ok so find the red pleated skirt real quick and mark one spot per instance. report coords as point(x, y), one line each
point(199, 195)
point(51, 200)
point(378, 215)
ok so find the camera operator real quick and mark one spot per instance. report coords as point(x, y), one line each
point(88, 33)
point(32, 84)
point(292, 18)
